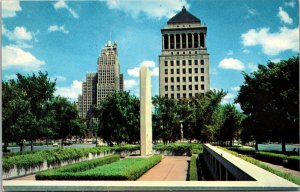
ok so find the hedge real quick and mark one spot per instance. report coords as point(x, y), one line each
point(284, 175)
point(127, 169)
point(56, 156)
point(180, 148)
point(193, 170)
point(64, 172)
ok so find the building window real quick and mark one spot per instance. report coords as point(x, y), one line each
point(177, 71)
point(196, 87)
point(190, 71)
point(166, 88)
point(202, 62)
point(172, 79)
point(178, 87)
point(183, 62)
point(190, 62)
point(184, 87)
point(166, 71)
point(178, 79)
point(177, 53)
point(202, 78)
point(196, 52)
point(166, 79)
point(183, 52)
point(196, 70)
point(172, 71)
point(189, 52)
point(183, 79)
point(202, 70)
point(190, 79)
point(202, 87)
point(172, 96)
point(171, 53)
point(166, 95)
point(166, 63)
point(190, 95)
point(178, 95)
point(196, 62)
point(196, 79)
point(172, 88)
point(183, 71)
point(177, 62)
point(190, 87)
point(172, 63)
point(184, 95)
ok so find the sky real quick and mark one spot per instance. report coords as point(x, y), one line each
point(65, 38)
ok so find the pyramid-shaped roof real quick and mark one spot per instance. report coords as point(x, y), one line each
point(184, 17)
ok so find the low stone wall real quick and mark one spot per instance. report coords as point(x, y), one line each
point(15, 172)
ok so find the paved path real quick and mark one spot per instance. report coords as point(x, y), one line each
point(171, 168)
point(27, 177)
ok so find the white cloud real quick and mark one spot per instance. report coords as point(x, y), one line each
point(13, 56)
point(61, 4)
point(230, 52)
point(155, 9)
point(231, 63)
point(276, 60)
point(290, 3)
point(12, 76)
point(228, 98)
point(252, 11)
point(18, 34)
point(9, 8)
point(135, 72)
point(273, 43)
point(71, 92)
point(284, 16)
point(237, 88)
point(130, 84)
point(53, 28)
point(252, 67)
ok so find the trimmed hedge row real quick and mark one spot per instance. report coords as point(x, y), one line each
point(127, 169)
point(180, 148)
point(63, 173)
point(284, 175)
point(193, 171)
point(56, 156)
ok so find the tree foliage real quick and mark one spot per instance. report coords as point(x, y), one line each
point(270, 99)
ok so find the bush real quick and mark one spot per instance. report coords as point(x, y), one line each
point(127, 169)
point(193, 171)
point(65, 171)
point(179, 148)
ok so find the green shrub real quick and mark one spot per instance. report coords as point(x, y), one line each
point(193, 171)
point(127, 169)
point(179, 148)
point(65, 171)
point(284, 175)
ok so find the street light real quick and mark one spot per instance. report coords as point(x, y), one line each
point(96, 133)
point(181, 131)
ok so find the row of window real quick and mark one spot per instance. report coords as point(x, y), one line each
point(183, 53)
point(183, 62)
point(183, 87)
point(184, 71)
point(183, 95)
point(184, 79)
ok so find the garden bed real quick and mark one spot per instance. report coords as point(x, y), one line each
point(106, 168)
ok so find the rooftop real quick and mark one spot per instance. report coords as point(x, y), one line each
point(183, 17)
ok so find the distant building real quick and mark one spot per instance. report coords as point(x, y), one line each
point(98, 85)
point(184, 61)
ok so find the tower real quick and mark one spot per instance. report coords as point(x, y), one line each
point(184, 61)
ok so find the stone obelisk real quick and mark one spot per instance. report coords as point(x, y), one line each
point(145, 111)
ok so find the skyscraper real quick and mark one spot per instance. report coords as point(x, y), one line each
point(98, 85)
point(184, 61)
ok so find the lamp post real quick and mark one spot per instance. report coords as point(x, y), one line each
point(181, 131)
point(96, 133)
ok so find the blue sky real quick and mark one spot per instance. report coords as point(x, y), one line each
point(66, 37)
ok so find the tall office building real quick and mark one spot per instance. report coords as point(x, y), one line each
point(98, 85)
point(184, 61)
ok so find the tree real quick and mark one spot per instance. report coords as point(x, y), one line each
point(119, 118)
point(232, 119)
point(65, 115)
point(270, 99)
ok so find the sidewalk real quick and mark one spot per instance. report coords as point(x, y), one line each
point(171, 168)
point(283, 169)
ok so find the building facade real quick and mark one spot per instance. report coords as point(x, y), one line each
point(98, 85)
point(184, 61)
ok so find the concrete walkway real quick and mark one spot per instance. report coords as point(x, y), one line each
point(27, 177)
point(283, 169)
point(171, 168)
